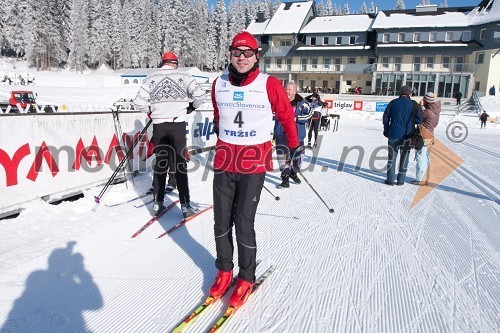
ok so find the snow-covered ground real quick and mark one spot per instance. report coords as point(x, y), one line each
point(374, 265)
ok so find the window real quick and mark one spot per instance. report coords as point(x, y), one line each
point(416, 36)
point(352, 60)
point(371, 60)
point(432, 36)
point(337, 64)
point(314, 63)
point(288, 64)
point(352, 40)
point(348, 82)
point(126, 81)
point(285, 42)
point(303, 64)
point(326, 63)
point(136, 81)
point(477, 85)
point(368, 83)
point(267, 63)
point(385, 62)
point(446, 62)
point(480, 58)
point(401, 37)
point(466, 36)
point(385, 38)
point(449, 36)
point(279, 63)
point(430, 62)
point(338, 40)
point(325, 40)
point(313, 40)
point(482, 34)
point(416, 63)
point(397, 64)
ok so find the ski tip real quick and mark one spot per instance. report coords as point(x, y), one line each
point(97, 199)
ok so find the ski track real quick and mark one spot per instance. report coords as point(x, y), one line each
point(372, 266)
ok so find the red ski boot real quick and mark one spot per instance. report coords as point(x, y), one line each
point(221, 284)
point(240, 294)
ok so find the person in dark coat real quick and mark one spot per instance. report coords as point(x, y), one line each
point(398, 127)
point(458, 96)
point(484, 117)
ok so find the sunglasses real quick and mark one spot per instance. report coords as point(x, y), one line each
point(247, 53)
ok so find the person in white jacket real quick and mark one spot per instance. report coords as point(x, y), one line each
point(168, 96)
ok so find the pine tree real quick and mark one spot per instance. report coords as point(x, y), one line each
point(98, 34)
point(78, 35)
point(320, 9)
point(364, 9)
point(115, 32)
point(329, 8)
point(400, 4)
point(221, 34)
point(346, 11)
point(251, 9)
point(211, 51)
point(372, 8)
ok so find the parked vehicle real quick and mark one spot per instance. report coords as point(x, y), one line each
point(23, 101)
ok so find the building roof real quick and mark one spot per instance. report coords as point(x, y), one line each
point(289, 18)
point(343, 23)
point(485, 13)
point(411, 19)
point(257, 28)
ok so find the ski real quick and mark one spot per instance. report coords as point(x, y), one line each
point(145, 203)
point(148, 193)
point(155, 218)
point(184, 221)
point(197, 313)
point(230, 311)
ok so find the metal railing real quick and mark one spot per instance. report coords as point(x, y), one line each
point(319, 68)
point(425, 68)
point(278, 51)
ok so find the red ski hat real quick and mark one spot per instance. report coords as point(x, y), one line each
point(170, 57)
point(244, 38)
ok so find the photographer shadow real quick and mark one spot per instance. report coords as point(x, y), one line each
point(54, 299)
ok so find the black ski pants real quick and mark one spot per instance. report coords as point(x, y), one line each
point(170, 144)
point(313, 126)
point(236, 197)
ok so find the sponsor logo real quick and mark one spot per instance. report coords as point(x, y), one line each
point(329, 103)
point(238, 96)
point(381, 106)
point(343, 105)
point(358, 106)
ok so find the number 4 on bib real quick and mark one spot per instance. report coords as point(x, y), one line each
point(239, 119)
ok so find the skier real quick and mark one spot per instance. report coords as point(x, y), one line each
point(244, 101)
point(168, 96)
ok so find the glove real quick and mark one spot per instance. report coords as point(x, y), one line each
point(190, 108)
point(386, 134)
point(216, 128)
point(149, 115)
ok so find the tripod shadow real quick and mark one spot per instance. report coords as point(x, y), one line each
point(54, 299)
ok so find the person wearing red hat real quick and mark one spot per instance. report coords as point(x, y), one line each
point(168, 96)
point(244, 101)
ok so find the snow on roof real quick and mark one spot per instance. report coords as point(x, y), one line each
point(103, 70)
point(423, 45)
point(399, 20)
point(338, 48)
point(478, 17)
point(257, 28)
point(344, 23)
point(289, 18)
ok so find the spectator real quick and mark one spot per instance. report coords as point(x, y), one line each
point(398, 126)
point(484, 117)
point(414, 91)
point(492, 90)
point(458, 96)
point(431, 111)
point(316, 104)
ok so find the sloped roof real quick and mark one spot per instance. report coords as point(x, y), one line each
point(289, 18)
point(257, 28)
point(344, 23)
point(103, 70)
point(487, 13)
point(410, 20)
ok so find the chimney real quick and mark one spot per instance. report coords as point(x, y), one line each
point(260, 17)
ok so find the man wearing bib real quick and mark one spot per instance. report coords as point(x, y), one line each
point(244, 101)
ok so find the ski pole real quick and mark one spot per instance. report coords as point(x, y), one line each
point(331, 210)
point(122, 162)
point(271, 193)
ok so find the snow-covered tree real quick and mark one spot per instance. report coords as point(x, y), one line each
point(372, 8)
point(364, 9)
point(320, 9)
point(78, 37)
point(329, 8)
point(346, 10)
point(98, 41)
point(211, 51)
point(221, 34)
point(400, 4)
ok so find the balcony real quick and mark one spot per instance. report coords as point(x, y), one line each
point(278, 51)
point(319, 68)
point(454, 68)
